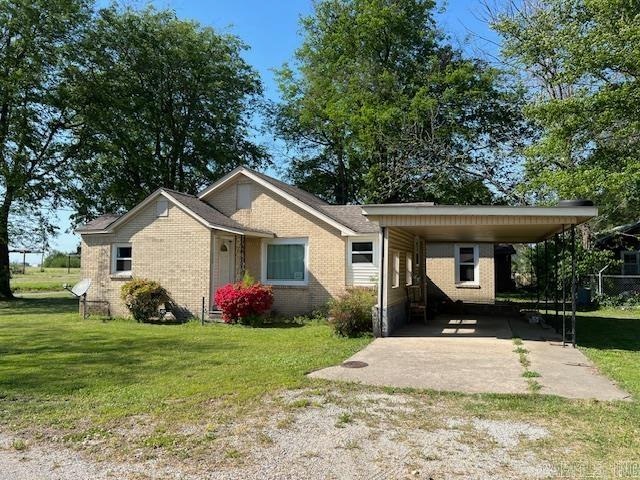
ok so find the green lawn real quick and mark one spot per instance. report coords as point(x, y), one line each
point(49, 280)
point(62, 377)
point(56, 369)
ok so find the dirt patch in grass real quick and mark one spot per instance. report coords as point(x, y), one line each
point(333, 432)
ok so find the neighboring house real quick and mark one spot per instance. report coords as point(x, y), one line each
point(308, 250)
point(624, 242)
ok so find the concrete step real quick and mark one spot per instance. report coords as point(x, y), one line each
point(215, 316)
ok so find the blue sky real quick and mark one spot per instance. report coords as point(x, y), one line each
point(270, 28)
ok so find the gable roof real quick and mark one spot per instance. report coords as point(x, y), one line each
point(201, 211)
point(630, 230)
point(98, 223)
point(351, 216)
point(302, 195)
point(304, 200)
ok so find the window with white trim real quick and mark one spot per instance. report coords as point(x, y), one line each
point(395, 278)
point(362, 252)
point(409, 269)
point(285, 261)
point(467, 262)
point(122, 258)
point(630, 263)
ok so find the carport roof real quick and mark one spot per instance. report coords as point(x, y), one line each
point(495, 224)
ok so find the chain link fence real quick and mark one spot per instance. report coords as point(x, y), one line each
point(614, 285)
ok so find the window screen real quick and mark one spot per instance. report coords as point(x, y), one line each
point(362, 252)
point(123, 258)
point(466, 264)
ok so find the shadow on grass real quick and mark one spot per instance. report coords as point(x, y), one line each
point(43, 353)
point(608, 333)
point(39, 306)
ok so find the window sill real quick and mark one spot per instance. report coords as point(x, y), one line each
point(121, 276)
point(288, 285)
point(468, 285)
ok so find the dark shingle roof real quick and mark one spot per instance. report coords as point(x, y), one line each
point(295, 192)
point(350, 216)
point(209, 213)
point(100, 223)
point(202, 209)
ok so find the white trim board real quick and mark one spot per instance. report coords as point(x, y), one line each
point(161, 192)
point(285, 241)
point(344, 230)
point(478, 210)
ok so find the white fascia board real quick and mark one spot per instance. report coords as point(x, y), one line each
point(399, 210)
point(160, 192)
point(307, 208)
point(131, 213)
point(221, 182)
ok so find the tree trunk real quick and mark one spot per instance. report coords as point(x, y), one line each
point(342, 185)
point(5, 274)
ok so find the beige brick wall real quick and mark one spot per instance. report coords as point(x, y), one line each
point(441, 273)
point(174, 250)
point(327, 248)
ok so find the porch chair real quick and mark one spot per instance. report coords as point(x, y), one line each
point(416, 306)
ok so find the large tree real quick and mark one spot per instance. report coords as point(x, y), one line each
point(581, 60)
point(38, 44)
point(167, 104)
point(378, 107)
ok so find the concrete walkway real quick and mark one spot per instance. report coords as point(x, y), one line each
point(474, 354)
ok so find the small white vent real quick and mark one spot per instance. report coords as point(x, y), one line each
point(245, 195)
point(162, 208)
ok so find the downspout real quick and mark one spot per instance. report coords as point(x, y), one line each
point(381, 282)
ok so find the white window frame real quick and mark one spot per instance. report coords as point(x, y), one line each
point(115, 258)
point(395, 269)
point(374, 253)
point(162, 207)
point(408, 266)
point(637, 255)
point(285, 241)
point(247, 189)
point(476, 264)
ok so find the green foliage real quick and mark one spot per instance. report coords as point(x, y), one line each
point(58, 259)
point(39, 41)
point(626, 300)
point(535, 260)
point(382, 108)
point(351, 314)
point(166, 103)
point(143, 298)
point(583, 57)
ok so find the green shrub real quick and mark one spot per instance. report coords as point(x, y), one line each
point(350, 314)
point(143, 298)
point(58, 259)
point(624, 300)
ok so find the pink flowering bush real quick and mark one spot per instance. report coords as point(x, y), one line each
point(243, 302)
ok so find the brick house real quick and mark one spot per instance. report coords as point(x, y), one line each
point(308, 250)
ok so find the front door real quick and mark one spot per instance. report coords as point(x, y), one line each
point(224, 264)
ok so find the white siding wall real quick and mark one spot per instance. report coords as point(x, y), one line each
point(362, 274)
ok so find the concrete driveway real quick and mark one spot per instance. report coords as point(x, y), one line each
point(474, 354)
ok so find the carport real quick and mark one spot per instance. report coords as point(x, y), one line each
point(411, 227)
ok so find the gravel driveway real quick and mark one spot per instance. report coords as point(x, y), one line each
point(326, 435)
